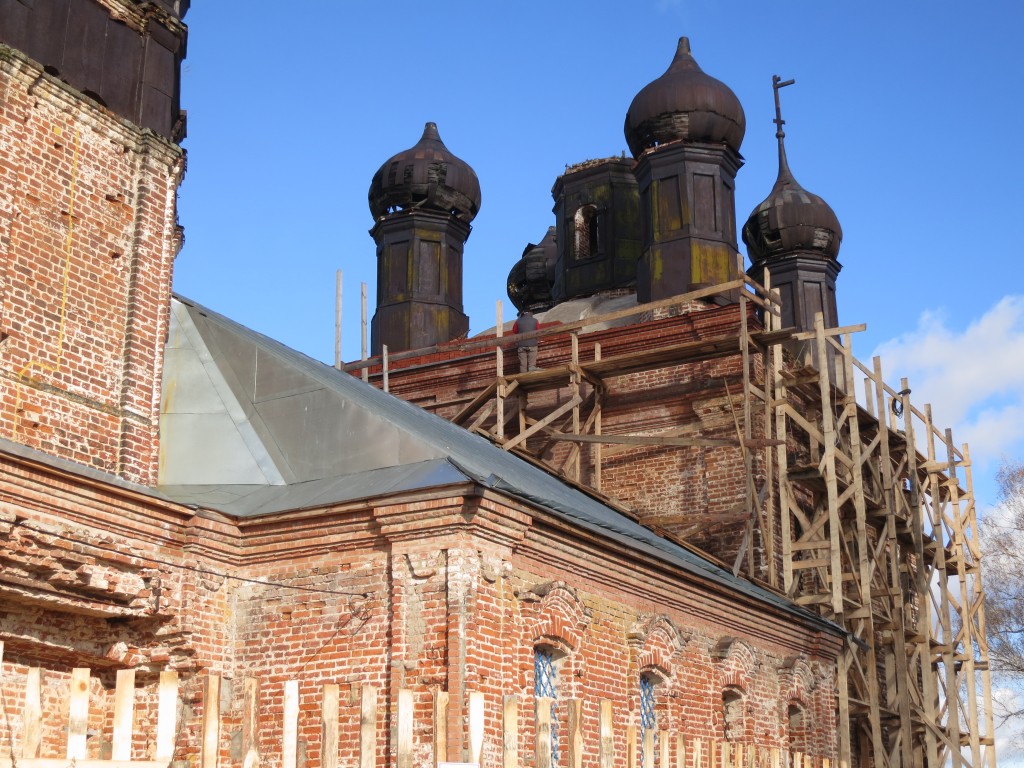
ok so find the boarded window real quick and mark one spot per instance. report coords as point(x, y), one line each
point(705, 216)
point(670, 209)
point(428, 267)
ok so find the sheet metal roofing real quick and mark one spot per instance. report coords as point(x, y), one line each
point(251, 427)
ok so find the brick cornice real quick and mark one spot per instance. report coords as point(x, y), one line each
point(457, 517)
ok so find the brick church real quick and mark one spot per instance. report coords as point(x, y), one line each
point(679, 541)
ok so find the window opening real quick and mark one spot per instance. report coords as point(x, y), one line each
point(585, 240)
point(545, 683)
point(648, 717)
point(732, 705)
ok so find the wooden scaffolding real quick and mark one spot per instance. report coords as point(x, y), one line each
point(863, 511)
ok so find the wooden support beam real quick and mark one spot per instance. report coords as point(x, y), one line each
point(32, 713)
point(644, 440)
point(167, 715)
point(522, 437)
point(367, 726)
point(210, 740)
point(329, 711)
point(510, 732)
point(124, 715)
point(542, 732)
point(290, 725)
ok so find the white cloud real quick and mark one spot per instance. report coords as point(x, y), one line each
point(1009, 738)
point(973, 378)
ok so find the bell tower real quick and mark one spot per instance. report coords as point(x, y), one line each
point(795, 235)
point(89, 169)
point(422, 200)
point(685, 131)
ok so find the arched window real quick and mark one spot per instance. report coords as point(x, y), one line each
point(733, 724)
point(797, 728)
point(648, 715)
point(586, 239)
point(545, 683)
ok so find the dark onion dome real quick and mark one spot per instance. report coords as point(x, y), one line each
point(532, 277)
point(791, 220)
point(684, 104)
point(426, 176)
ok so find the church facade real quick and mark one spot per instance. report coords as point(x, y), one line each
point(264, 559)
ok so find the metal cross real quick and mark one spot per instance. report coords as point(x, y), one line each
point(777, 83)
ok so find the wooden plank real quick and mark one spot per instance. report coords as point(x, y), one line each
point(574, 390)
point(644, 440)
point(78, 714)
point(516, 338)
point(522, 436)
point(649, 748)
point(403, 750)
point(575, 735)
point(830, 332)
point(330, 709)
point(210, 743)
point(476, 727)
point(250, 723)
point(631, 744)
point(606, 734)
point(440, 727)
point(368, 727)
point(542, 732)
point(167, 715)
point(476, 402)
point(680, 752)
point(698, 758)
point(124, 715)
point(510, 732)
point(664, 743)
point(33, 715)
point(62, 762)
point(290, 725)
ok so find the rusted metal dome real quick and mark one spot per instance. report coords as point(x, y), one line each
point(684, 104)
point(426, 176)
point(791, 220)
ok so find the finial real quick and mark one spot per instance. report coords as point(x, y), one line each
point(683, 46)
point(780, 134)
point(430, 132)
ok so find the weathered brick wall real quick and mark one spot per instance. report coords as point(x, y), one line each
point(88, 232)
point(447, 593)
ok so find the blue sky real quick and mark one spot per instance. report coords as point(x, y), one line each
point(904, 117)
point(903, 121)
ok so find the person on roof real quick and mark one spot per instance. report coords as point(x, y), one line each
point(527, 347)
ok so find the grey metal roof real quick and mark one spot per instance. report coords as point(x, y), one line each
point(311, 435)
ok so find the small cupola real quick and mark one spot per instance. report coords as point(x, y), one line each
point(795, 235)
point(426, 175)
point(422, 200)
point(684, 104)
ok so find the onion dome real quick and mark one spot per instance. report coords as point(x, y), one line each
point(532, 277)
point(426, 176)
point(791, 220)
point(684, 104)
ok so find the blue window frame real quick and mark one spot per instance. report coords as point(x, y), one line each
point(648, 718)
point(545, 683)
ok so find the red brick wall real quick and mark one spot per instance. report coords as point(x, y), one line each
point(88, 232)
point(447, 593)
